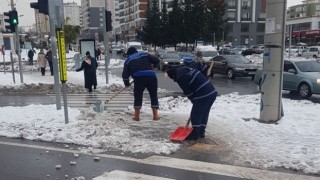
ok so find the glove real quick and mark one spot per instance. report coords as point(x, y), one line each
point(126, 83)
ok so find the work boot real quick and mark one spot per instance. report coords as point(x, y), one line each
point(136, 114)
point(155, 114)
point(193, 136)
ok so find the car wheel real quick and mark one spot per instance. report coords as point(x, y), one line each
point(304, 90)
point(230, 74)
point(315, 56)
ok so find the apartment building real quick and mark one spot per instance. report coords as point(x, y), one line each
point(72, 14)
point(246, 20)
point(304, 20)
point(42, 24)
point(132, 16)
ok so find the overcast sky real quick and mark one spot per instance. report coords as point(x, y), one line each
point(23, 7)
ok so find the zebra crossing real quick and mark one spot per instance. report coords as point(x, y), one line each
point(85, 100)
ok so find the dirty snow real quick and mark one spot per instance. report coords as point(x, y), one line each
point(292, 143)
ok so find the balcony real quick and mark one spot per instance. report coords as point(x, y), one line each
point(232, 7)
point(261, 19)
point(246, 7)
point(246, 19)
point(231, 19)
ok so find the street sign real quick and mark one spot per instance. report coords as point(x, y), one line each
point(62, 55)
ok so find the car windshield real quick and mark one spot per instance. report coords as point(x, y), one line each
point(136, 46)
point(185, 55)
point(308, 66)
point(238, 59)
point(171, 56)
point(209, 53)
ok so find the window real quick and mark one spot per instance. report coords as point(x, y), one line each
point(246, 17)
point(262, 16)
point(317, 7)
point(231, 3)
point(260, 39)
point(231, 16)
point(244, 39)
point(246, 4)
point(244, 27)
point(260, 27)
point(288, 65)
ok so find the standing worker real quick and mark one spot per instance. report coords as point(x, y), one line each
point(139, 67)
point(49, 59)
point(188, 61)
point(89, 65)
point(200, 92)
point(42, 62)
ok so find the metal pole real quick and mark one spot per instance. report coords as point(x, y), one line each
point(290, 39)
point(106, 44)
point(12, 68)
point(53, 38)
point(4, 63)
point(65, 102)
point(17, 44)
point(18, 53)
point(272, 76)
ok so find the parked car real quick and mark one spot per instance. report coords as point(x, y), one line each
point(169, 60)
point(313, 51)
point(302, 76)
point(137, 45)
point(251, 51)
point(233, 66)
point(187, 54)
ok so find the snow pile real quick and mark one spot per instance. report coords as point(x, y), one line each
point(292, 143)
point(104, 131)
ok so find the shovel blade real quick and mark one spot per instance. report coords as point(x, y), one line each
point(180, 134)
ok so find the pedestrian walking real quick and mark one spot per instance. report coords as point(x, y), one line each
point(49, 59)
point(30, 56)
point(200, 92)
point(89, 65)
point(139, 67)
point(42, 62)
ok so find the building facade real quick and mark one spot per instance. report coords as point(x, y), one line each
point(42, 24)
point(246, 20)
point(72, 14)
point(92, 18)
point(304, 20)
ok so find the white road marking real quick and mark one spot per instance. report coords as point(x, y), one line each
point(124, 175)
point(189, 165)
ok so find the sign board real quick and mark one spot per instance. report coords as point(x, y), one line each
point(62, 55)
point(87, 45)
point(270, 25)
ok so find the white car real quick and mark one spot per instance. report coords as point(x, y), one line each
point(313, 51)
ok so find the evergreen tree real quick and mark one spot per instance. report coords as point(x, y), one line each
point(164, 25)
point(194, 19)
point(150, 34)
point(175, 31)
point(216, 21)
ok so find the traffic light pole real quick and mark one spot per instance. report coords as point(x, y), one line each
point(106, 44)
point(17, 44)
point(19, 53)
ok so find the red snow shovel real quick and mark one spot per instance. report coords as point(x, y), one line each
point(181, 133)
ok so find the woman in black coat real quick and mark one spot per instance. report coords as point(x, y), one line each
point(89, 65)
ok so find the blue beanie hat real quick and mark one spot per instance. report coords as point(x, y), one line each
point(187, 60)
point(131, 50)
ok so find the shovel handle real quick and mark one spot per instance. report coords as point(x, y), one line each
point(118, 92)
point(188, 122)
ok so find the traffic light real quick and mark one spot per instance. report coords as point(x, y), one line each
point(41, 6)
point(12, 20)
point(108, 21)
